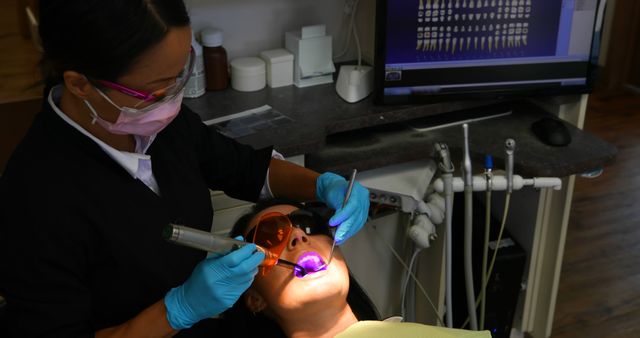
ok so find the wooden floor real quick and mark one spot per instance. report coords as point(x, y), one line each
point(19, 74)
point(599, 293)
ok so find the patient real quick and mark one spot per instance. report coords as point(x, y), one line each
point(320, 304)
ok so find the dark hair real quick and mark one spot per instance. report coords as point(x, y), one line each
point(102, 39)
point(247, 324)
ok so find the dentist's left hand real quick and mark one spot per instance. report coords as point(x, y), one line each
point(214, 286)
point(331, 189)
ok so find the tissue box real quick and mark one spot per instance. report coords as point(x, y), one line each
point(279, 67)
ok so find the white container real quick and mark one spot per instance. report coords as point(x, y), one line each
point(248, 74)
point(279, 67)
point(197, 82)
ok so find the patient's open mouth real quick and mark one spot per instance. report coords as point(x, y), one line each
point(310, 261)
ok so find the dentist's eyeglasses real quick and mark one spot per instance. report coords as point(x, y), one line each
point(159, 96)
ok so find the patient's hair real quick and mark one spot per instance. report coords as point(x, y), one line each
point(247, 324)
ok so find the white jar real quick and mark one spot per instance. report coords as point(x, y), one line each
point(248, 74)
point(279, 67)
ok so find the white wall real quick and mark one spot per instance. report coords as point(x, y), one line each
point(251, 26)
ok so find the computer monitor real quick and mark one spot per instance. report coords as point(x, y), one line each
point(435, 50)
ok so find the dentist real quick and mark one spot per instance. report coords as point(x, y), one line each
point(110, 160)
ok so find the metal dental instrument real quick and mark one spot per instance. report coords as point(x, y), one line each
point(352, 179)
point(217, 245)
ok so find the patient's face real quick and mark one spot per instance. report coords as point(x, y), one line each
point(283, 292)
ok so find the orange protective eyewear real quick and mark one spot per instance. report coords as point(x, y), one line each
point(273, 230)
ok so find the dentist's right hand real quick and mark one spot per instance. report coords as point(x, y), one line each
point(214, 286)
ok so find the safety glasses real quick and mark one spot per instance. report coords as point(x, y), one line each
point(157, 97)
point(273, 230)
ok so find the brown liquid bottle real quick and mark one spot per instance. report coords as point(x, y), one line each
point(215, 59)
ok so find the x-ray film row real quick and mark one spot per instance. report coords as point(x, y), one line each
point(477, 37)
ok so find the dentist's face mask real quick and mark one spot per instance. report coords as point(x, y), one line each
point(133, 121)
point(160, 107)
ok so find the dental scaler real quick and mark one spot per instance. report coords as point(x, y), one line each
point(352, 179)
point(218, 245)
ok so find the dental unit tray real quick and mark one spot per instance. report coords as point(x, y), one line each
point(402, 185)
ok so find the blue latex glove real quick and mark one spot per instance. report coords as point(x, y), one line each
point(214, 286)
point(330, 189)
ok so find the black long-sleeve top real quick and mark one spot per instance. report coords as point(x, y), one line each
point(80, 238)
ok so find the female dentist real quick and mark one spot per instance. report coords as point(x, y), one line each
point(112, 158)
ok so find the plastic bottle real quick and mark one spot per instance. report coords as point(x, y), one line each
point(197, 82)
point(215, 59)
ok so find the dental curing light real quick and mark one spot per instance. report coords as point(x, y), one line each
point(219, 245)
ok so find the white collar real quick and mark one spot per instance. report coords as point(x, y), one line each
point(129, 161)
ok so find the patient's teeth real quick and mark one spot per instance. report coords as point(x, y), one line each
point(453, 45)
point(447, 42)
point(421, 6)
point(468, 42)
point(490, 42)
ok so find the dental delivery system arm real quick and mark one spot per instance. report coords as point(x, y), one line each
point(469, 183)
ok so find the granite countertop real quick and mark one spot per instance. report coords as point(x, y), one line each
point(338, 136)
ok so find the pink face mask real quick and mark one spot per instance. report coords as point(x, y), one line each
point(145, 122)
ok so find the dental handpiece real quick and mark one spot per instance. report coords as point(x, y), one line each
point(215, 244)
point(509, 147)
point(466, 164)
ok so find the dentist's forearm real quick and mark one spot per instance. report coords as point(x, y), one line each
point(289, 180)
point(150, 323)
